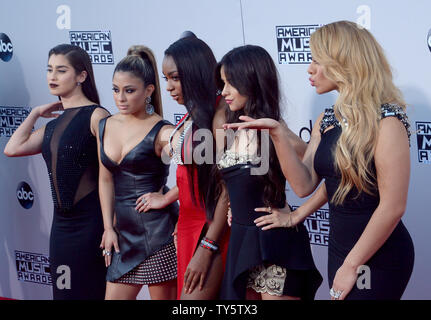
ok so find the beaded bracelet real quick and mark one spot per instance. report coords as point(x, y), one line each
point(209, 244)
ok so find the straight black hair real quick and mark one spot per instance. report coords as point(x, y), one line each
point(196, 65)
point(80, 61)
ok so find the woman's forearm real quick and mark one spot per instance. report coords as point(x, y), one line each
point(171, 195)
point(18, 143)
point(298, 171)
point(107, 196)
point(296, 142)
point(381, 225)
point(315, 202)
point(218, 225)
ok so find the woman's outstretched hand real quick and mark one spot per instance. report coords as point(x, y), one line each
point(251, 123)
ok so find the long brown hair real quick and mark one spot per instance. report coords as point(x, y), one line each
point(140, 62)
point(80, 61)
point(251, 70)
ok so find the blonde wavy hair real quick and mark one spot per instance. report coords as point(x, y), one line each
point(352, 58)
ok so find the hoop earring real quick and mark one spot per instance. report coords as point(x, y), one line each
point(149, 108)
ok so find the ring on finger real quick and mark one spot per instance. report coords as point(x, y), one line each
point(270, 209)
point(335, 294)
point(143, 201)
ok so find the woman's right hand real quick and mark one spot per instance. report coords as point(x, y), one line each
point(109, 241)
point(251, 123)
point(151, 200)
point(46, 110)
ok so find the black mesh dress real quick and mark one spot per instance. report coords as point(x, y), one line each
point(70, 153)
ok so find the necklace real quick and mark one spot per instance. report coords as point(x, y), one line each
point(176, 153)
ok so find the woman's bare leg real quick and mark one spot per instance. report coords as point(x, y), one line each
point(166, 290)
point(121, 291)
point(212, 283)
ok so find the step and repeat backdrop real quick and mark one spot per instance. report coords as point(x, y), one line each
point(106, 29)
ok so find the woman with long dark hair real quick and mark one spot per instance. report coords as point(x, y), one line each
point(69, 146)
point(274, 264)
point(188, 67)
point(131, 168)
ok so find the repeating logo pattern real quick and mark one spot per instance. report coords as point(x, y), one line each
point(98, 45)
point(25, 195)
point(6, 48)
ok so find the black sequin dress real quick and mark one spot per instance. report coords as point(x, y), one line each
point(391, 266)
point(70, 153)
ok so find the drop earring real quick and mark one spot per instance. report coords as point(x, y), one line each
point(149, 107)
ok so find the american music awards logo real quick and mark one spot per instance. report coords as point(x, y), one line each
point(317, 226)
point(98, 45)
point(423, 135)
point(11, 118)
point(293, 43)
point(33, 267)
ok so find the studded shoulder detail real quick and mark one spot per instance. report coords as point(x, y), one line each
point(328, 120)
point(394, 110)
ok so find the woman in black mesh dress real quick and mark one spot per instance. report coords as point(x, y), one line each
point(69, 146)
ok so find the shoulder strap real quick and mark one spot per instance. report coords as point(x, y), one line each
point(329, 119)
point(394, 110)
point(102, 124)
point(151, 136)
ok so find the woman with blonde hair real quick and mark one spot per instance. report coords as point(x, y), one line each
point(138, 248)
point(360, 147)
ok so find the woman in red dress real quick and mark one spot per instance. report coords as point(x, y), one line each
point(202, 235)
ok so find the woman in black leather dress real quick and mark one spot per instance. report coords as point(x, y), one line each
point(69, 147)
point(256, 268)
point(360, 147)
point(131, 147)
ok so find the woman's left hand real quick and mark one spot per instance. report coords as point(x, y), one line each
point(344, 280)
point(197, 270)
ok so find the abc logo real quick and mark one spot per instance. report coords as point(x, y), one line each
point(429, 39)
point(6, 48)
point(25, 195)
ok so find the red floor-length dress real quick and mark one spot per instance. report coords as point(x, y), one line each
point(192, 217)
